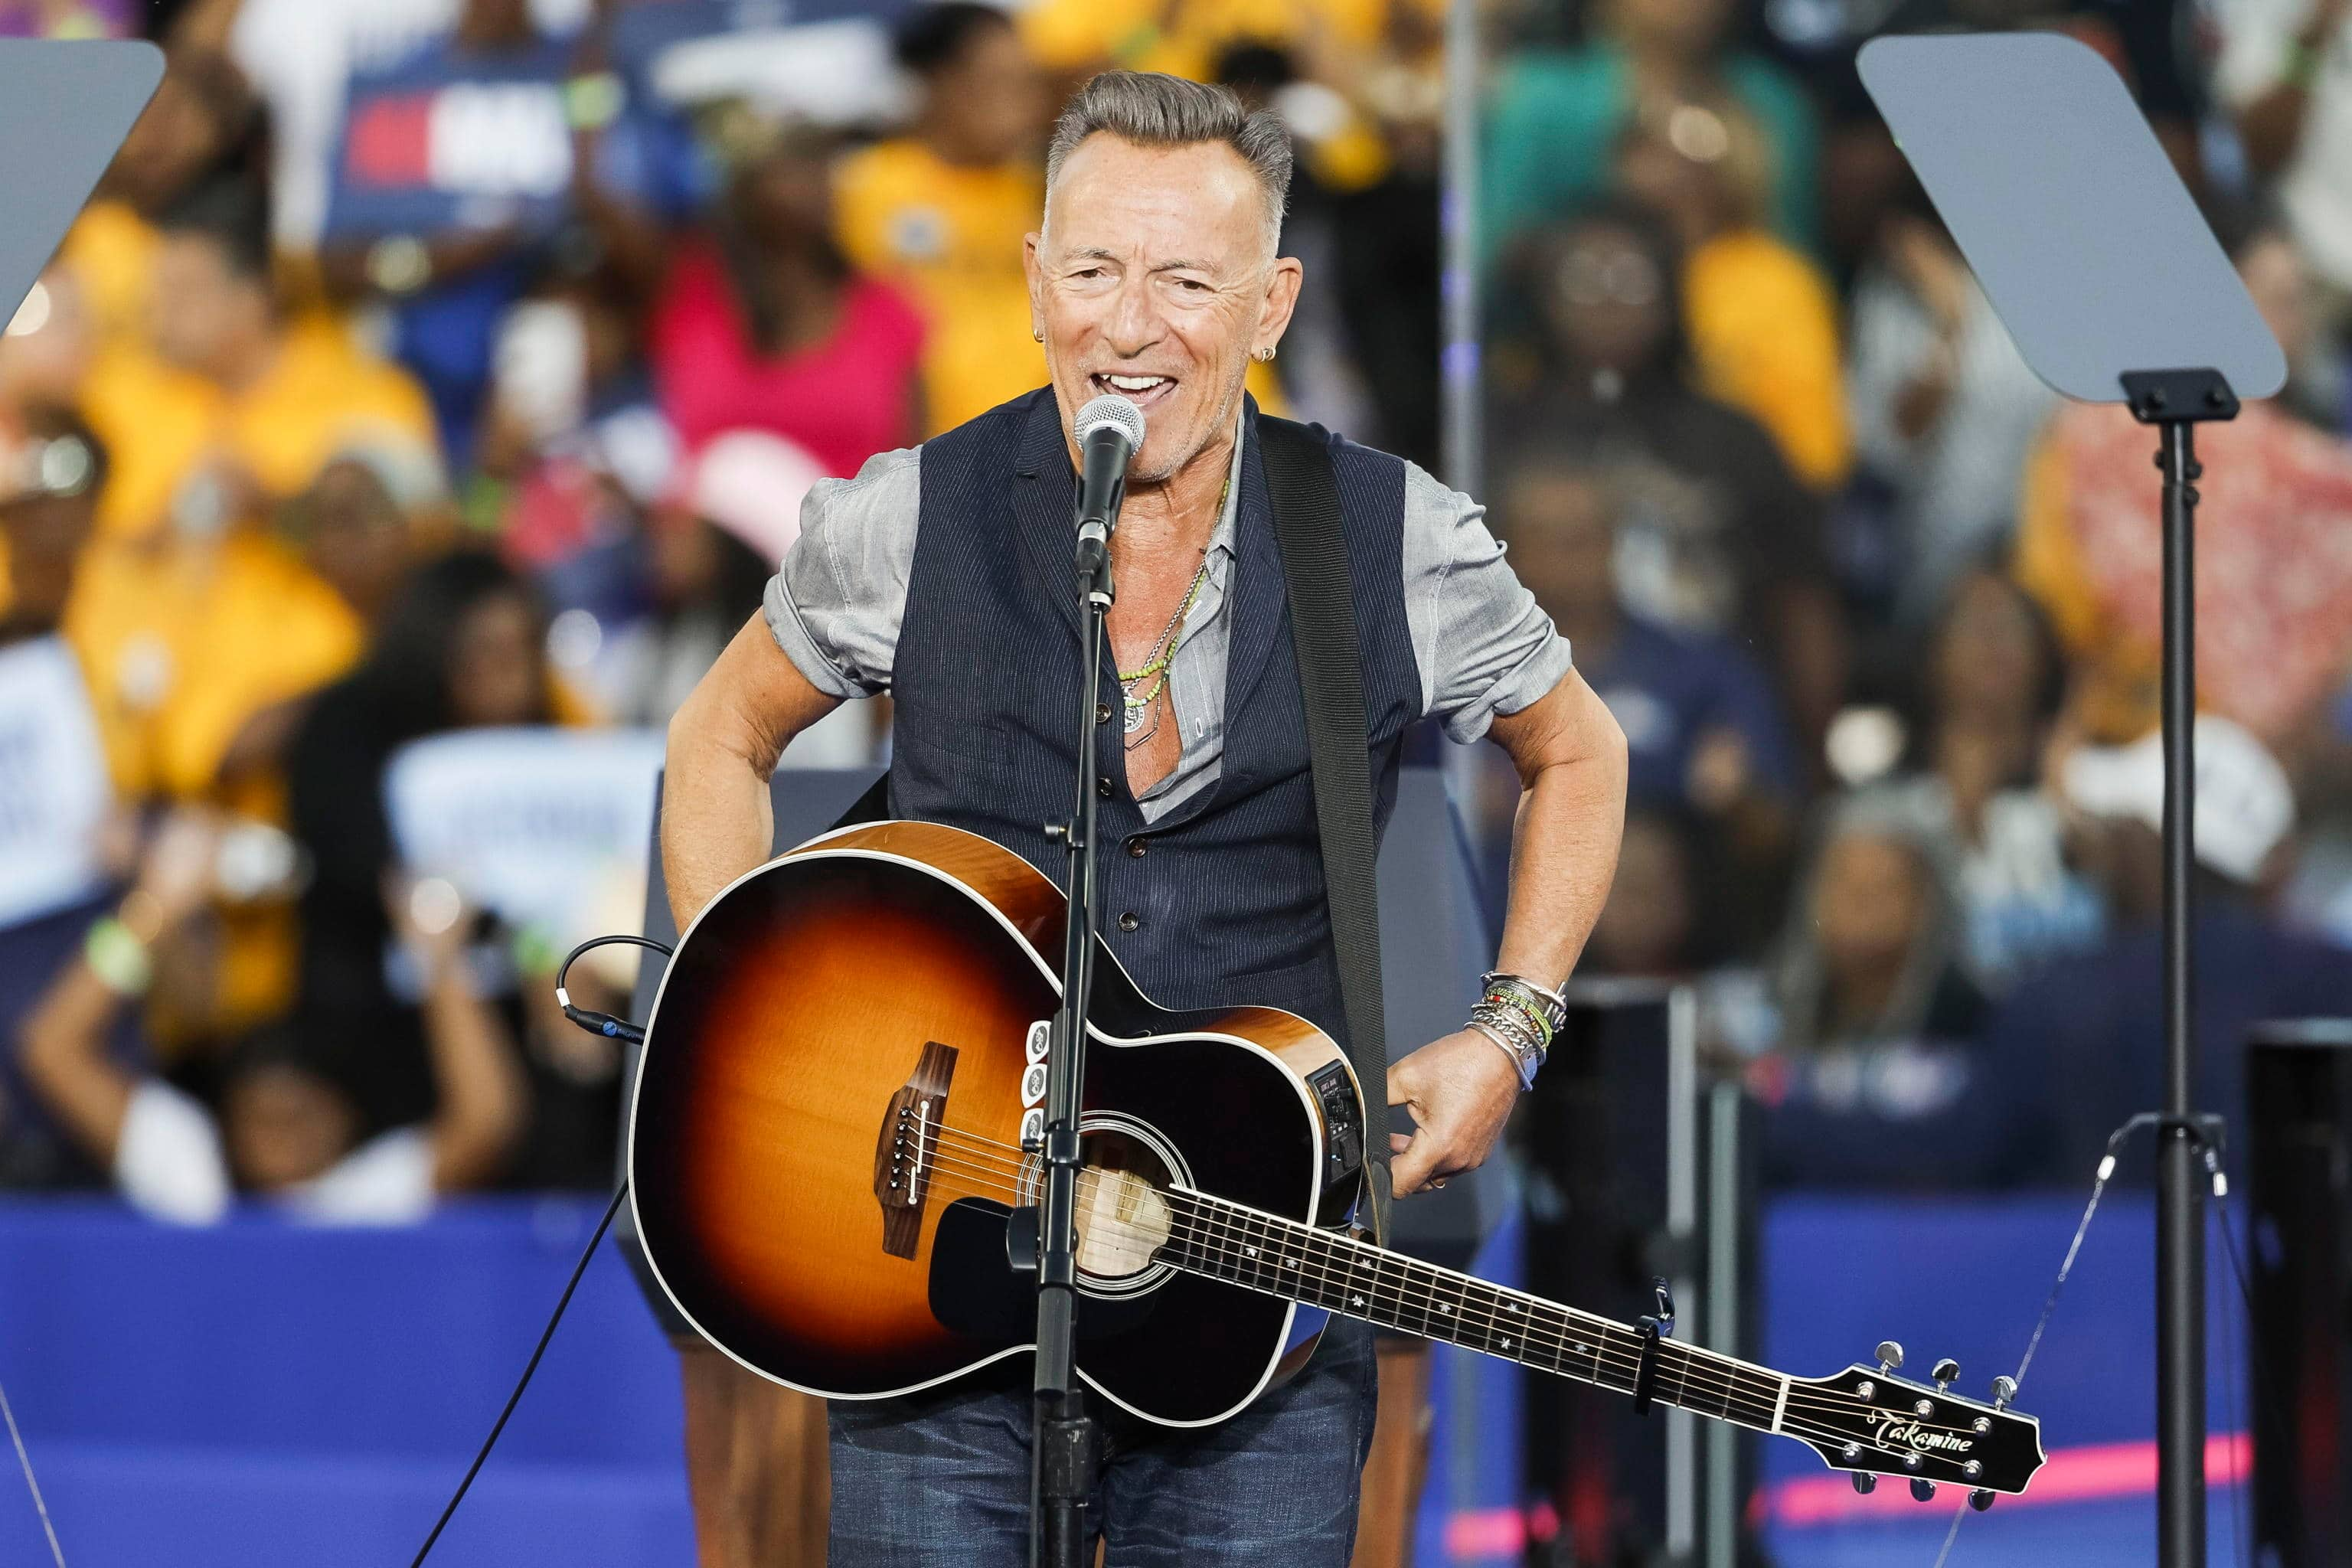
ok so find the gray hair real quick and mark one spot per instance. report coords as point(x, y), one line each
point(1153, 109)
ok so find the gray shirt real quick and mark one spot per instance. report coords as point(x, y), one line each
point(1482, 644)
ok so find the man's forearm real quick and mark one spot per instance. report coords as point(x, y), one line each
point(717, 822)
point(1564, 842)
point(724, 743)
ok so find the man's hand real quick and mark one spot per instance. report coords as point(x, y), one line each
point(1461, 1091)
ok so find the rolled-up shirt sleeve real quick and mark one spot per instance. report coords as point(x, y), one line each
point(835, 606)
point(1483, 645)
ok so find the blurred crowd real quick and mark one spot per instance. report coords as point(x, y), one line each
point(429, 367)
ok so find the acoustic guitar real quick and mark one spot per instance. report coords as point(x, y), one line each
point(838, 1114)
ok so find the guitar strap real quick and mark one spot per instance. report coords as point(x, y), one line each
point(1306, 497)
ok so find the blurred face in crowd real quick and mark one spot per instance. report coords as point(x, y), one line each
point(48, 345)
point(1605, 298)
point(784, 196)
point(1153, 279)
point(2275, 276)
point(1686, 29)
point(1687, 190)
point(1870, 903)
point(1562, 539)
point(205, 313)
point(44, 536)
point(1645, 926)
point(1990, 658)
point(496, 24)
point(987, 104)
point(352, 534)
point(496, 674)
point(284, 1125)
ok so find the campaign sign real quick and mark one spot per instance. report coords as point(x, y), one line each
point(530, 823)
point(54, 790)
point(448, 140)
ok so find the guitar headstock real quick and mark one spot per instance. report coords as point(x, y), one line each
point(1870, 1423)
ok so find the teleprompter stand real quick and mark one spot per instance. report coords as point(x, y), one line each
point(2115, 290)
point(1066, 1450)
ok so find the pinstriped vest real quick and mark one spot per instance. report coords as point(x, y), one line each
point(1221, 901)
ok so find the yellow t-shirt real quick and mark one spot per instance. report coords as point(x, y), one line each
point(951, 237)
point(1184, 37)
point(184, 645)
point(323, 395)
point(111, 251)
point(1763, 329)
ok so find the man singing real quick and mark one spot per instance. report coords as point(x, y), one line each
point(941, 575)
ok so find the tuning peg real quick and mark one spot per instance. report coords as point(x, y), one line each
point(1922, 1490)
point(1980, 1499)
point(1890, 1355)
point(1946, 1374)
point(2004, 1389)
point(1864, 1482)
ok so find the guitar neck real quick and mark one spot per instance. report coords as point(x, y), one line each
point(1283, 1257)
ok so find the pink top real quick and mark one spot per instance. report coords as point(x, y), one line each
point(844, 399)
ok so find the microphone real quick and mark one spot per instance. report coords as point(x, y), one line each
point(1110, 432)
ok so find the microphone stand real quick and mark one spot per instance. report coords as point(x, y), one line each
point(1066, 1451)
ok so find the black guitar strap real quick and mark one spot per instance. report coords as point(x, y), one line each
point(1306, 497)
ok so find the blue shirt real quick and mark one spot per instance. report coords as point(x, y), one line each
point(1667, 687)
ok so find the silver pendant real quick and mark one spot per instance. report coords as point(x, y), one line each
point(1135, 714)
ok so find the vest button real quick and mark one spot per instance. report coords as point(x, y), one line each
point(1102, 712)
point(1102, 787)
point(1138, 848)
point(1129, 920)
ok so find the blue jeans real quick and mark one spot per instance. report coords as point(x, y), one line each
point(941, 1480)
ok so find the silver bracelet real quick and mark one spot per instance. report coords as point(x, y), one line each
point(1523, 1062)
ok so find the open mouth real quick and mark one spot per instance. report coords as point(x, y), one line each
point(1145, 392)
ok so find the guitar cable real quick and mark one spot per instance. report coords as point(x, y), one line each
point(595, 1022)
point(2207, 1131)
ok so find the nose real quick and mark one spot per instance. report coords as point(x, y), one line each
point(1134, 325)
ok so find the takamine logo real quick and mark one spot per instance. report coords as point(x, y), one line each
point(1892, 1429)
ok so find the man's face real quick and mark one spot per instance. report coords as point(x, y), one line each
point(1152, 281)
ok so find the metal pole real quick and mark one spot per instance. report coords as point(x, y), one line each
point(2181, 1210)
point(1461, 432)
point(1458, 443)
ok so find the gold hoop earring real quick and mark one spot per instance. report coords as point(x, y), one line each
point(1038, 333)
point(1264, 355)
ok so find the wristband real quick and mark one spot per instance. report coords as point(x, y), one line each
point(119, 959)
point(2302, 66)
point(399, 264)
point(594, 101)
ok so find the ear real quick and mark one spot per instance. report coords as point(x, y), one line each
point(1281, 299)
point(1031, 272)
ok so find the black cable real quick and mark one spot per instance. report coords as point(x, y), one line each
point(597, 1023)
point(516, 1398)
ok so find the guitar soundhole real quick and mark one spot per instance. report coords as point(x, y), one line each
point(1123, 1215)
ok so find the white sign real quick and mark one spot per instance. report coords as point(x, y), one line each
point(530, 824)
point(54, 790)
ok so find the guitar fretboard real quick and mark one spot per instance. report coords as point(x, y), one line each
point(1299, 1262)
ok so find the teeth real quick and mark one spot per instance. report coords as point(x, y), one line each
point(1135, 382)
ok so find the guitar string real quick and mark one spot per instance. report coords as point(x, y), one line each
point(1723, 1384)
point(1794, 1427)
point(1714, 1384)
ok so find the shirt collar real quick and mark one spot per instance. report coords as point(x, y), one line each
point(1221, 538)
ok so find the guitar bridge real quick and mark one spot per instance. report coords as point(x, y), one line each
point(909, 1148)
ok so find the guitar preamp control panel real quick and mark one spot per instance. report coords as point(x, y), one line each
point(1343, 1123)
